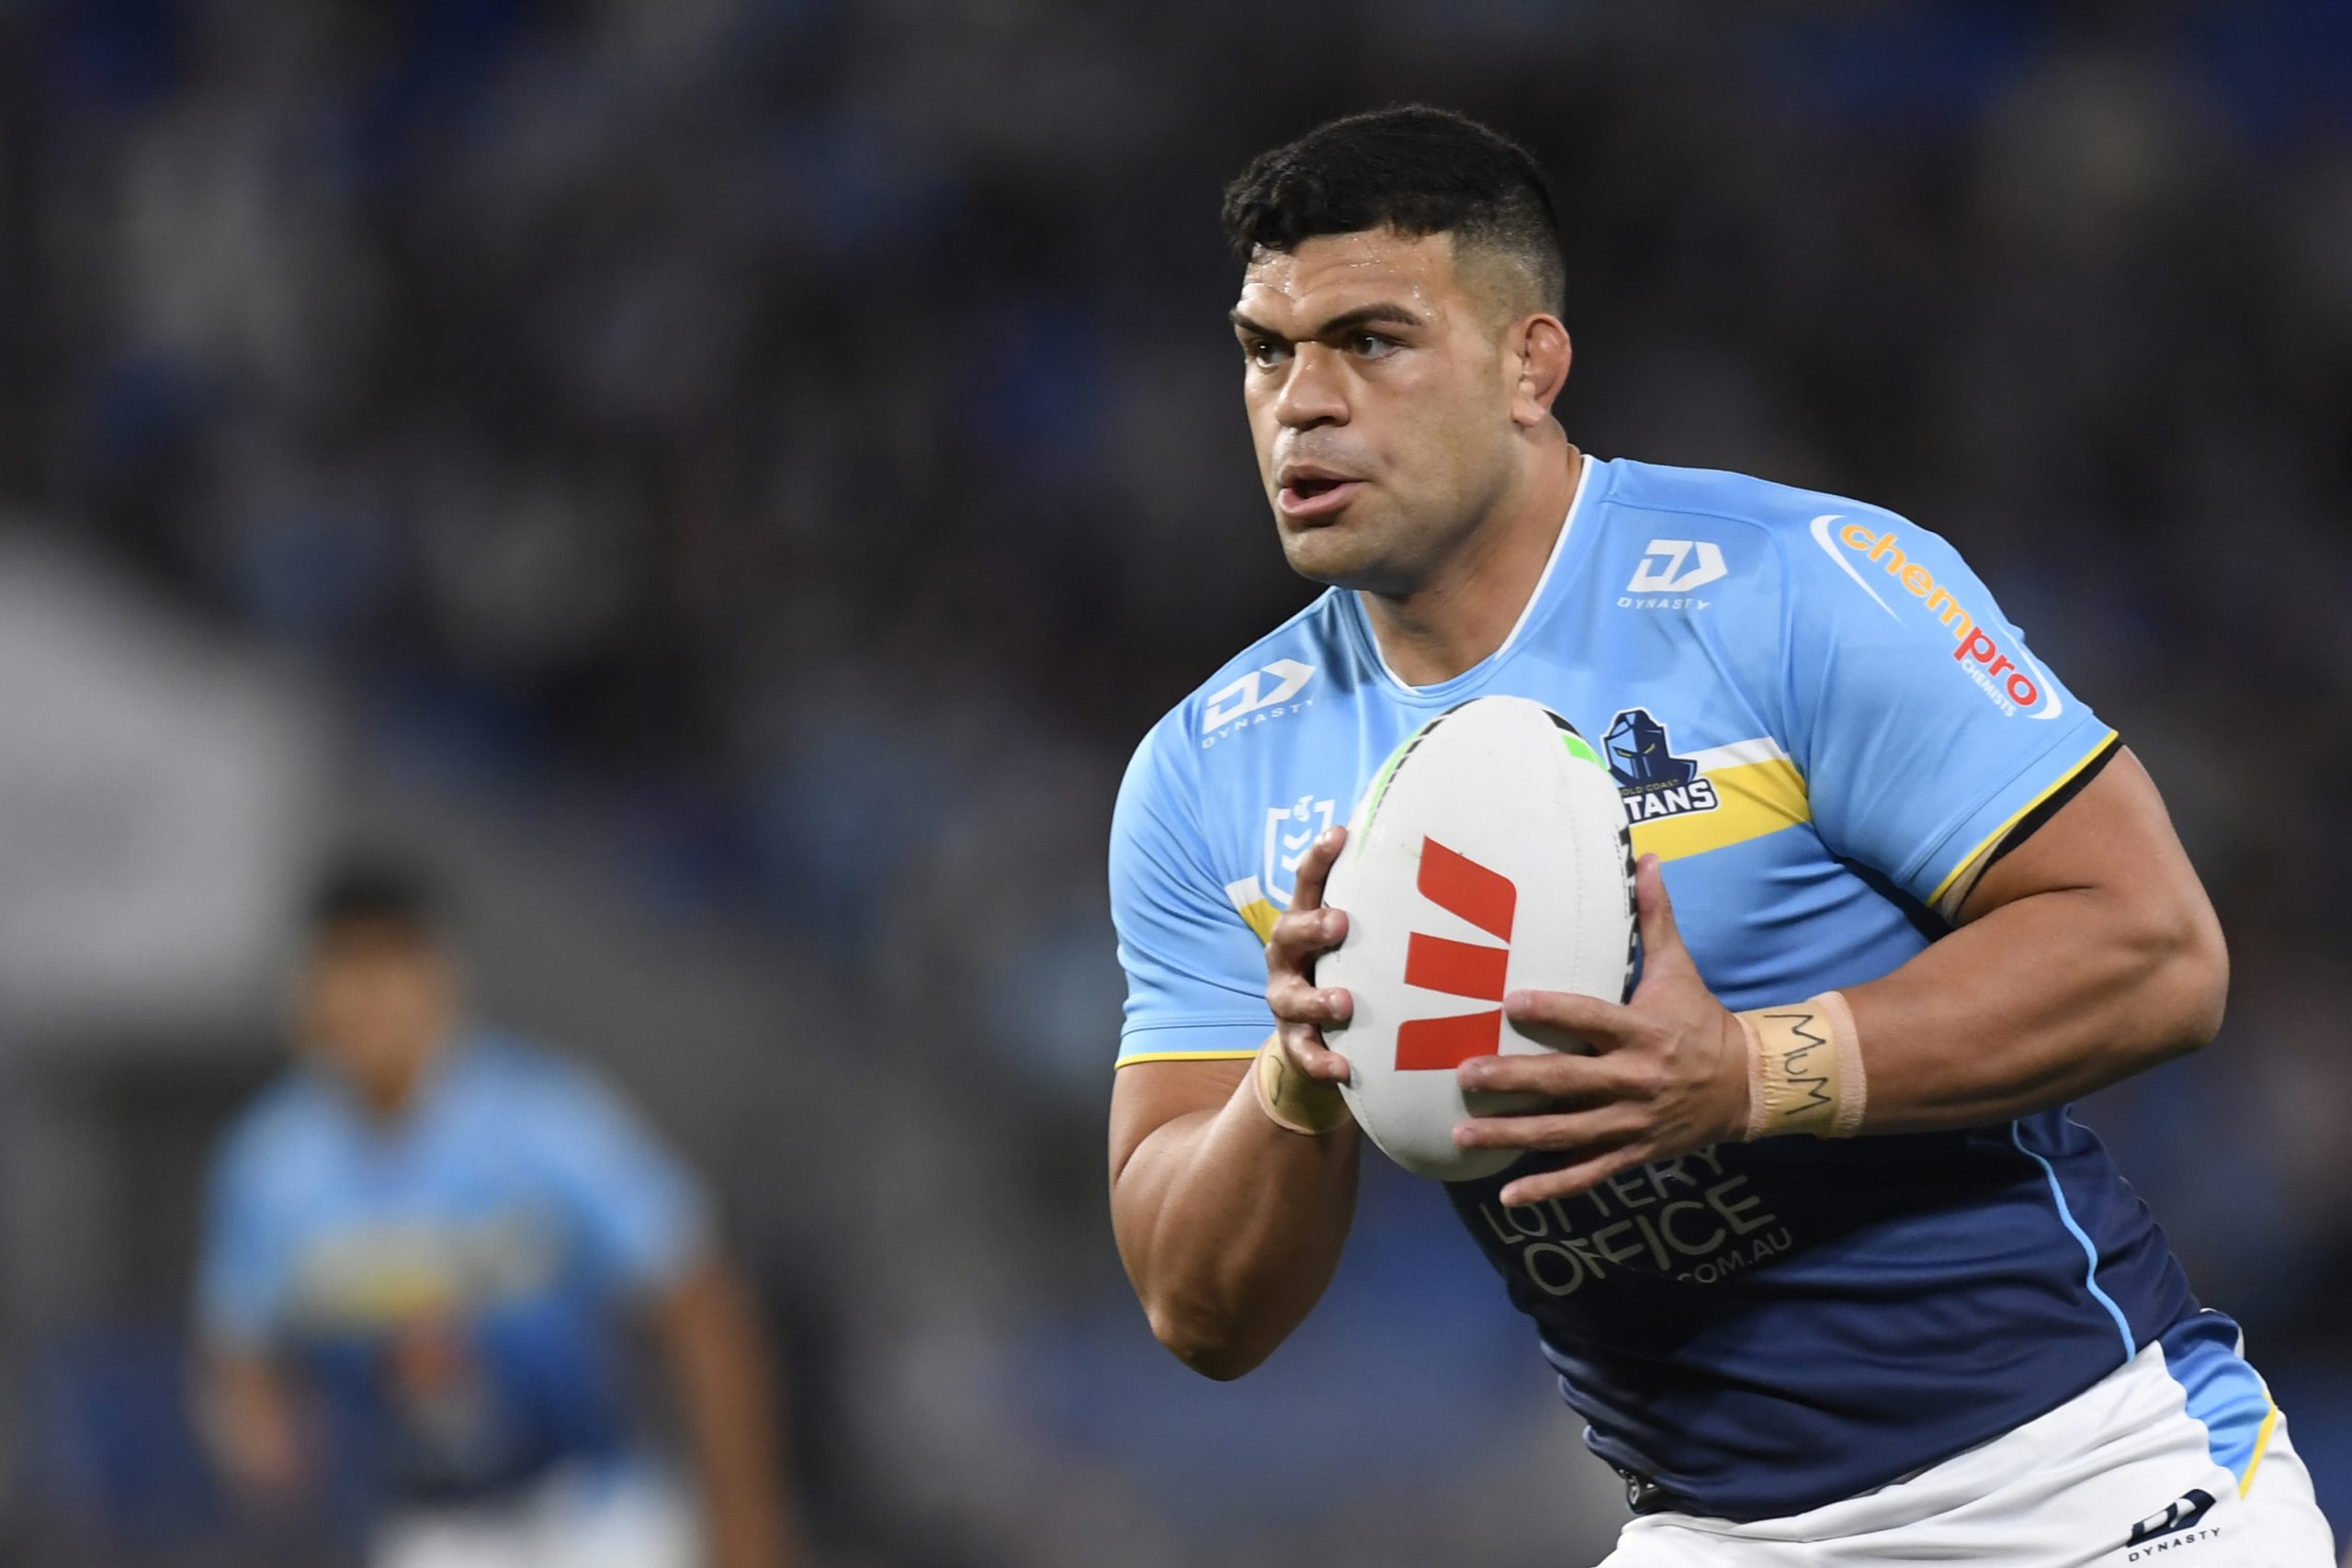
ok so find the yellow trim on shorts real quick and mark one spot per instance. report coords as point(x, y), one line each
point(2261, 1447)
point(1994, 836)
point(1184, 1056)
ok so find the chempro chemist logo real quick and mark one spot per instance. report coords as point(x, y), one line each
point(1999, 666)
point(1258, 697)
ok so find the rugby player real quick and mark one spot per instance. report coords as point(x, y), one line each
point(432, 1238)
point(1915, 1314)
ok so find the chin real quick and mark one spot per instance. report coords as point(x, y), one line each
point(1316, 555)
point(1339, 556)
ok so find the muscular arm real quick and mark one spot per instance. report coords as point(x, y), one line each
point(1230, 1225)
point(251, 1424)
point(719, 1358)
point(2087, 955)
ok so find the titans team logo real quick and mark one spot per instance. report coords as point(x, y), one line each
point(1653, 781)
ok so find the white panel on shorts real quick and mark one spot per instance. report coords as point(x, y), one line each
point(2120, 1475)
point(622, 1517)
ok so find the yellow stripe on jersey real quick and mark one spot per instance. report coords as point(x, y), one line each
point(1142, 1056)
point(1260, 913)
point(2016, 817)
point(1758, 788)
point(1754, 798)
point(1260, 917)
point(1256, 911)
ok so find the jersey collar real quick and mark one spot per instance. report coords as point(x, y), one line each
point(1590, 480)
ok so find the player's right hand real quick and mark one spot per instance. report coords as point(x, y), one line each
point(1303, 1011)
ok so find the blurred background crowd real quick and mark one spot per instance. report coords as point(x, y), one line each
point(726, 483)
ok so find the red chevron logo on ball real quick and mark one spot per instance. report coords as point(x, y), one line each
point(1488, 900)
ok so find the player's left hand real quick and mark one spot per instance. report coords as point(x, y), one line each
point(1669, 1072)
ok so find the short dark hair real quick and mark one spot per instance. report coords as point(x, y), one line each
point(1415, 169)
point(375, 889)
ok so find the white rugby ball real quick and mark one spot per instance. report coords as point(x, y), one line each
point(1491, 855)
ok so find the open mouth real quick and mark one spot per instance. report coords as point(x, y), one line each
point(1314, 496)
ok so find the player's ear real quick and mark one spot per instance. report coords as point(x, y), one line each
point(1538, 349)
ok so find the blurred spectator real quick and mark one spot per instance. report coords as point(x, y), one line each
point(423, 1242)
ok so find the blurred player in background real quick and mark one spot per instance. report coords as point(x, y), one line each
point(424, 1246)
point(1834, 1278)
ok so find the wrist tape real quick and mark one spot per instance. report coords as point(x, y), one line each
point(1804, 1069)
point(1291, 1098)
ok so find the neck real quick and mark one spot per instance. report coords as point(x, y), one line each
point(387, 1092)
point(1465, 608)
point(387, 1098)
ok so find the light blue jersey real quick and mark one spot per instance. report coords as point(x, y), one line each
point(1820, 721)
point(455, 1281)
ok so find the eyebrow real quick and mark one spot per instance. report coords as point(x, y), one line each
point(1345, 321)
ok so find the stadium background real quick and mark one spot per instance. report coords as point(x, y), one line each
point(726, 481)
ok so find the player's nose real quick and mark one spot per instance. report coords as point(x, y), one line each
point(1313, 392)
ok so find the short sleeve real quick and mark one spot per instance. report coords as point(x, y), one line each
point(1196, 973)
point(1924, 726)
point(640, 1216)
point(242, 1273)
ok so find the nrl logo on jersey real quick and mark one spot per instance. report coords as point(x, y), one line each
point(1256, 698)
point(1652, 780)
point(1291, 832)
